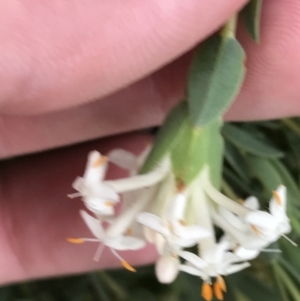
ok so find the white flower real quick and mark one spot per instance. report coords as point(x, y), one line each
point(271, 226)
point(98, 195)
point(119, 242)
point(167, 268)
point(219, 261)
point(128, 160)
point(175, 233)
point(253, 229)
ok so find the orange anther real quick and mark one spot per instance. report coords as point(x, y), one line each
point(109, 204)
point(75, 240)
point(241, 201)
point(99, 161)
point(222, 283)
point(127, 266)
point(206, 291)
point(255, 229)
point(218, 291)
point(277, 198)
point(182, 222)
point(128, 232)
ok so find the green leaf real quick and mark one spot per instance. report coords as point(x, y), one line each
point(264, 171)
point(236, 161)
point(215, 78)
point(251, 17)
point(253, 289)
point(249, 143)
point(167, 136)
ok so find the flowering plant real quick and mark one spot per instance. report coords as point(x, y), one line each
point(172, 197)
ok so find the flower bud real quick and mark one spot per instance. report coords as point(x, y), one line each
point(166, 268)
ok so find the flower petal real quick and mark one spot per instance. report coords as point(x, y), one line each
point(142, 181)
point(126, 243)
point(261, 219)
point(252, 203)
point(193, 232)
point(104, 190)
point(153, 222)
point(216, 256)
point(193, 259)
point(99, 206)
point(95, 168)
point(191, 270)
point(123, 159)
point(93, 224)
point(236, 268)
point(177, 207)
point(232, 219)
point(246, 254)
point(166, 269)
point(278, 203)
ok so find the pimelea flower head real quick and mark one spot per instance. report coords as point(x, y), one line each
point(97, 195)
point(217, 263)
point(120, 242)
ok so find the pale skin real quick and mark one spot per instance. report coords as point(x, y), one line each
point(82, 70)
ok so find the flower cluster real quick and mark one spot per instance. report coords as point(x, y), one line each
point(156, 209)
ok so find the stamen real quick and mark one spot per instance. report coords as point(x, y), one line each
point(75, 240)
point(99, 161)
point(218, 291)
point(255, 230)
point(222, 283)
point(277, 198)
point(74, 195)
point(174, 255)
point(289, 240)
point(241, 201)
point(127, 266)
point(128, 232)
point(109, 204)
point(182, 222)
point(206, 291)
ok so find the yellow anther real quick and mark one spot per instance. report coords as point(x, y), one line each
point(174, 255)
point(218, 291)
point(277, 198)
point(75, 240)
point(99, 161)
point(255, 229)
point(206, 291)
point(222, 283)
point(170, 226)
point(241, 201)
point(109, 204)
point(182, 222)
point(128, 232)
point(127, 266)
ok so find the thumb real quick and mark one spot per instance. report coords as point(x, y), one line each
point(62, 54)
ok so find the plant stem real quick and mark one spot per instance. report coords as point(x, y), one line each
point(229, 28)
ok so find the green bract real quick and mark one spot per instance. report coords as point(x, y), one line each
point(167, 136)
